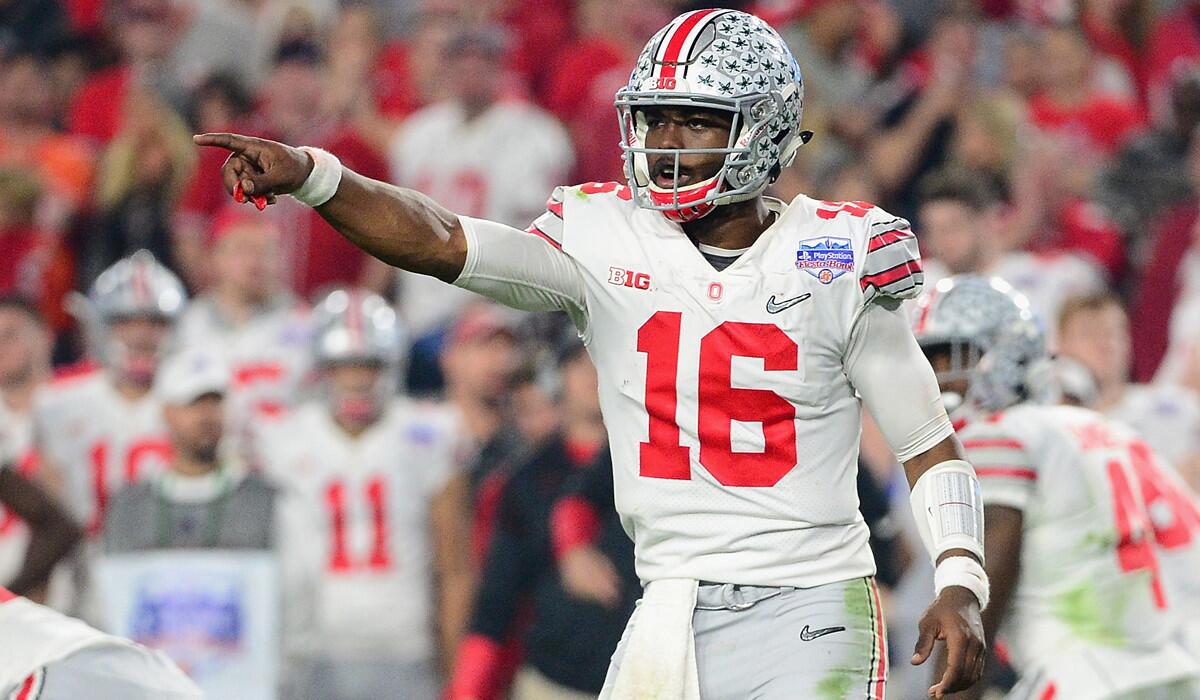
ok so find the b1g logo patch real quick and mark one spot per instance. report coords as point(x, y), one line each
point(825, 258)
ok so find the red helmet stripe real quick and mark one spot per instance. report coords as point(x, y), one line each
point(354, 321)
point(675, 40)
point(141, 290)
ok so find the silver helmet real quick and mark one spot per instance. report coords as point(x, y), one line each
point(994, 341)
point(352, 325)
point(137, 286)
point(723, 60)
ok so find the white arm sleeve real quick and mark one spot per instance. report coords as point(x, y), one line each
point(891, 374)
point(521, 270)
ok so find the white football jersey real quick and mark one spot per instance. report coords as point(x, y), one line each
point(468, 166)
point(1097, 505)
point(268, 356)
point(16, 451)
point(355, 532)
point(733, 423)
point(100, 440)
point(34, 637)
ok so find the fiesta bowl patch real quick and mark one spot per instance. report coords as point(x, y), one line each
point(825, 258)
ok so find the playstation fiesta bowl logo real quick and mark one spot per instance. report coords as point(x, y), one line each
point(825, 258)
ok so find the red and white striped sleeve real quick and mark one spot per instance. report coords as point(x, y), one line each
point(891, 266)
point(1006, 470)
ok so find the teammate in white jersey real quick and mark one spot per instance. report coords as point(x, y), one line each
point(1094, 331)
point(25, 344)
point(100, 429)
point(249, 317)
point(373, 513)
point(1074, 505)
point(49, 656)
point(731, 389)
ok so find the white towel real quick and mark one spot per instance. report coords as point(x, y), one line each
point(659, 662)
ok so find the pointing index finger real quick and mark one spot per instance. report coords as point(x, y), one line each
point(230, 142)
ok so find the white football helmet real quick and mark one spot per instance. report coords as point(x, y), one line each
point(355, 326)
point(136, 287)
point(722, 60)
point(994, 341)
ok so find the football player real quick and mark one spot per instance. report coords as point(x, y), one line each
point(100, 428)
point(735, 337)
point(49, 656)
point(373, 512)
point(248, 316)
point(1074, 504)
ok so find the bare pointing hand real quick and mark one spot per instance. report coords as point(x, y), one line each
point(258, 170)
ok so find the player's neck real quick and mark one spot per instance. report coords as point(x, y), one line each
point(191, 466)
point(1109, 395)
point(237, 306)
point(732, 226)
point(132, 391)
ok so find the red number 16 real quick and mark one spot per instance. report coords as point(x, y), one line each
point(720, 403)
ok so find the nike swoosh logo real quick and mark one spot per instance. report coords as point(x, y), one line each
point(774, 307)
point(806, 636)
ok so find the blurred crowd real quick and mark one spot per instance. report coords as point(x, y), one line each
point(1050, 142)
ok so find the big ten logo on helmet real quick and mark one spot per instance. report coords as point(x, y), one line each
point(664, 84)
point(628, 278)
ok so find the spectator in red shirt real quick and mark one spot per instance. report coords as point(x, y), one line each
point(1070, 106)
point(32, 261)
point(1117, 32)
point(1174, 45)
point(145, 32)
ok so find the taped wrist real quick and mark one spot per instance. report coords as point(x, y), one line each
point(948, 508)
point(965, 572)
point(322, 183)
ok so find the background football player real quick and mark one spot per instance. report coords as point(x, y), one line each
point(1077, 590)
point(733, 336)
point(374, 513)
point(101, 428)
point(249, 316)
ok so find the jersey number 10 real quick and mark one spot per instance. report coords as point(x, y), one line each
point(720, 403)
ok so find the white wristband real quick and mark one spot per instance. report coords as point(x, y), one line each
point(323, 181)
point(965, 572)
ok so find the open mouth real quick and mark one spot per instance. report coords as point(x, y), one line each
point(665, 175)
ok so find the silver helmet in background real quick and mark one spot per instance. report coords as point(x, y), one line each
point(357, 345)
point(355, 326)
point(128, 314)
point(993, 340)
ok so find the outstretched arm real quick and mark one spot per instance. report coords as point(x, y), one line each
point(399, 226)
